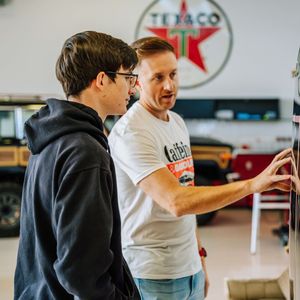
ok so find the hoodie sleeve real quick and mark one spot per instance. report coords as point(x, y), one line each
point(83, 220)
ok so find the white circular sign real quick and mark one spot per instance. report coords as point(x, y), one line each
point(199, 31)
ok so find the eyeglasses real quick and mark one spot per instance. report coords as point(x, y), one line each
point(132, 78)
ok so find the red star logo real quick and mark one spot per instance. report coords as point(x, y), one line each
point(185, 38)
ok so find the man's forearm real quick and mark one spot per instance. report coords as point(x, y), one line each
point(164, 188)
point(199, 200)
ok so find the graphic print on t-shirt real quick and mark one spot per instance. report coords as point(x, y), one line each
point(180, 163)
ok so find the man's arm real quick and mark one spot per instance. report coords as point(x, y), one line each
point(203, 263)
point(83, 227)
point(164, 188)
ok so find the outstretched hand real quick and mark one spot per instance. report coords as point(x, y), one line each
point(295, 177)
point(268, 179)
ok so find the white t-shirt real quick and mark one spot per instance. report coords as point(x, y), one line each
point(156, 244)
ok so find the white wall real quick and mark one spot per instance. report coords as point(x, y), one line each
point(266, 40)
point(266, 43)
point(33, 31)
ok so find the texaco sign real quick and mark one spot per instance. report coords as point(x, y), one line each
point(200, 32)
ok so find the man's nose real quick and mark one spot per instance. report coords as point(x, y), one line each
point(168, 84)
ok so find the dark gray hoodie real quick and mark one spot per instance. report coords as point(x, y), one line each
point(70, 244)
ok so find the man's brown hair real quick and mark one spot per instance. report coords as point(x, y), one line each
point(87, 53)
point(148, 46)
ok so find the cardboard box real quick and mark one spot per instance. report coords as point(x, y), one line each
point(259, 289)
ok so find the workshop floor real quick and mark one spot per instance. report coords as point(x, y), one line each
point(227, 241)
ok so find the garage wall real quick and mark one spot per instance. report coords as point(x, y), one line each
point(266, 41)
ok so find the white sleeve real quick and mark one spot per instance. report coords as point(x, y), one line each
point(136, 154)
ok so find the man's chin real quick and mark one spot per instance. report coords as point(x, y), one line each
point(119, 112)
point(172, 104)
point(123, 111)
point(169, 104)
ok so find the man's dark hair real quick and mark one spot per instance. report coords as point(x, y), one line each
point(148, 46)
point(87, 53)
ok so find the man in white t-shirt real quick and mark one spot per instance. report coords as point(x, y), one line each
point(157, 198)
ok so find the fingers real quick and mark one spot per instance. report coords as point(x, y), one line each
point(293, 155)
point(280, 183)
point(282, 154)
point(294, 167)
point(295, 180)
point(281, 186)
point(295, 184)
point(274, 166)
point(277, 178)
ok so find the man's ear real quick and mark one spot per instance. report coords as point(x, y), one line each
point(138, 85)
point(100, 80)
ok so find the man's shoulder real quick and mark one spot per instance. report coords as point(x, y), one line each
point(80, 139)
point(84, 147)
point(176, 118)
point(132, 120)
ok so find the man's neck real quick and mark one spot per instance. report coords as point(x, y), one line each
point(89, 101)
point(162, 115)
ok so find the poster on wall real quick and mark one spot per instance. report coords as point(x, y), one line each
point(200, 32)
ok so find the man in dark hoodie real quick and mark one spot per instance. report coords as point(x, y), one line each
point(70, 244)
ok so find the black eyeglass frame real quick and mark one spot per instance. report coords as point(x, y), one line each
point(129, 75)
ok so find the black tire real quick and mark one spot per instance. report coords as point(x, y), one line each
point(204, 219)
point(10, 209)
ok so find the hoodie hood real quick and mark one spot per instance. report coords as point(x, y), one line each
point(59, 118)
